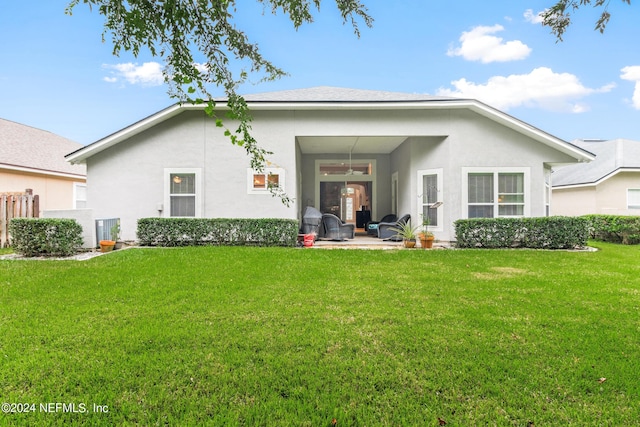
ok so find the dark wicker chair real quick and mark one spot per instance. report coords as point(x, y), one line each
point(386, 229)
point(372, 226)
point(334, 229)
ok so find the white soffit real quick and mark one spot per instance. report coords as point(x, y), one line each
point(343, 144)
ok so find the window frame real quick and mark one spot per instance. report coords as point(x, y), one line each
point(495, 203)
point(76, 199)
point(440, 190)
point(197, 195)
point(547, 191)
point(506, 194)
point(629, 205)
point(251, 173)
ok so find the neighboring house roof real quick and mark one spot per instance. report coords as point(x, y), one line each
point(327, 98)
point(27, 149)
point(612, 157)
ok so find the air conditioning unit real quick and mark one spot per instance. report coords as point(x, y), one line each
point(104, 227)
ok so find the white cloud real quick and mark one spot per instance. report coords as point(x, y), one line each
point(147, 74)
point(541, 88)
point(534, 18)
point(632, 73)
point(480, 44)
point(202, 67)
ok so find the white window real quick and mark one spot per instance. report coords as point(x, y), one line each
point(633, 198)
point(510, 194)
point(182, 192)
point(496, 193)
point(262, 182)
point(79, 195)
point(430, 194)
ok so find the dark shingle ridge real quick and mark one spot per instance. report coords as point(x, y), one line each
point(337, 94)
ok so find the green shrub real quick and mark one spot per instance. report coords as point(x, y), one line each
point(217, 231)
point(615, 228)
point(539, 233)
point(45, 236)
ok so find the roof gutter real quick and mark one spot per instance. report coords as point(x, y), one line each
point(42, 172)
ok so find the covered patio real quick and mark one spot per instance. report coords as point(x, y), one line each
point(364, 241)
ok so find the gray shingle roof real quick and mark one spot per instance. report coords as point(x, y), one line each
point(32, 148)
point(337, 94)
point(610, 156)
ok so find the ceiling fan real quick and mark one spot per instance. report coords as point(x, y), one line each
point(350, 171)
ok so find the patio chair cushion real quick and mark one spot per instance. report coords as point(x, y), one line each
point(386, 229)
point(334, 229)
point(372, 226)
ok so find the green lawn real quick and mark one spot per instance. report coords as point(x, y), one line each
point(287, 337)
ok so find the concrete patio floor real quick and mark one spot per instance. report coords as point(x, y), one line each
point(366, 242)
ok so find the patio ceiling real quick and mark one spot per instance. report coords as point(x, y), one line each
point(342, 144)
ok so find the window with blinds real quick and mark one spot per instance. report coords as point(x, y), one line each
point(182, 194)
point(495, 194)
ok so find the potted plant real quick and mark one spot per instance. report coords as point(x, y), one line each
point(107, 245)
point(426, 237)
point(115, 235)
point(406, 233)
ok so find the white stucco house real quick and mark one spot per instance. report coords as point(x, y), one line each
point(341, 150)
point(608, 185)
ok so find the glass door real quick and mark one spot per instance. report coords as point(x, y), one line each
point(331, 197)
point(430, 187)
point(346, 199)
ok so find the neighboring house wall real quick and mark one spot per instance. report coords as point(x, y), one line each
point(574, 201)
point(609, 196)
point(612, 194)
point(53, 192)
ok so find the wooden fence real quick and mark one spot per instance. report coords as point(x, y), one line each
point(16, 205)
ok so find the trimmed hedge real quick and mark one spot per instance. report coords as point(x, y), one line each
point(45, 236)
point(217, 231)
point(615, 228)
point(537, 233)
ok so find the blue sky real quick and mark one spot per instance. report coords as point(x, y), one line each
point(57, 74)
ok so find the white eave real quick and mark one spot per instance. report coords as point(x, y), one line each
point(504, 119)
point(79, 156)
point(57, 174)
